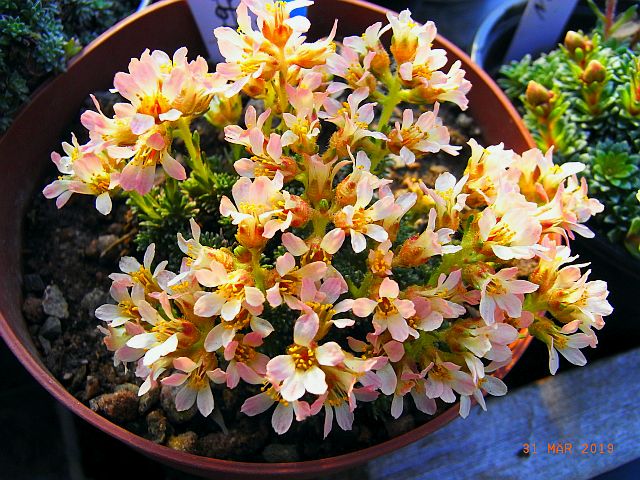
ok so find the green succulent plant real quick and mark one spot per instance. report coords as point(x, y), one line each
point(170, 206)
point(583, 99)
point(37, 37)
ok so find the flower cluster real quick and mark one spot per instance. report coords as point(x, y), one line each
point(323, 301)
point(583, 99)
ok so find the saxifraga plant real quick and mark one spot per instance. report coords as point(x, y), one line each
point(335, 287)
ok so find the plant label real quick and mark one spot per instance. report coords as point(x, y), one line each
point(540, 26)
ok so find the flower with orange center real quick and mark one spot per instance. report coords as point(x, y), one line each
point(284, 412)
point(193, 382)
point(359, 220)
point(389, 312)
point(300, 370)
point(258, 211)
point(232, 291)
point(426, 135)
point(500, 292)
point(87, 172)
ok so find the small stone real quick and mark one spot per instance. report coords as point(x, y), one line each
point(149, 400)
point(32, 309)
point(185, 442)
point(247, 437)
point(105, 241)
point(91, 387)
point(121, 406)
point(400, 425)
point(45, 344)
point(92, 300)
point(79, 378)
point(156, 426)
point(168, 402)
point(33, 283)
point(54, 303)
point(51, 329)
point(130, 387)
point(464, 121)
point(91, 250)
point(280, 452)
point(115, 228)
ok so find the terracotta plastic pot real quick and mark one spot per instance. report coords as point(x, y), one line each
point(36, 132)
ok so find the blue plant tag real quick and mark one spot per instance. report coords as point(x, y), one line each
point(211, 14)
point(540, 27)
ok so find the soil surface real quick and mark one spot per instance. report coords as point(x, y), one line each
point(67, 257)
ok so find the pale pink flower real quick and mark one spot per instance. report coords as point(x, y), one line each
point(447, 199)
point(402, 204)
point(116, 338)
point(84, 172)
point(152, 148)
point(418, 249)
point(290, 278)
point(359, 220)
point(163, 89)
point(245, 60)
point(492, 385)
point(252, 136)
point(369, 40)
point(569, 346)
point(569, 209)
point(131, 306)
point(300, 370)
point(380, 259)
point(347, 65)
point(500, 291)
point(426, 135)
point(233, 291)
point(244, 361)
point(486, 169)
point(490, 341)
point(223, 334)
point(389, 312)
point(133, 272)
point(352, 119)
point(318, 308)
point(514, 236)
point(444, 301)
point(445, 378)
point(266, 161)
point(414, 383)
point(193, 384)
point(340, 399)
point(258, 209)
point(284, 412)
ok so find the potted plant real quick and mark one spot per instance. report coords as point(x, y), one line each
point(322, 293)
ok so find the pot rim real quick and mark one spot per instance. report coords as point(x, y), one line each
point(191, 462)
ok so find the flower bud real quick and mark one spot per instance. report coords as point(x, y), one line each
point(300, 209)
point(250, 234)
point(346, 191)
point(224, 111)
point(577, 44)
point(380, 62)
point(537, 94)
point(594, 73)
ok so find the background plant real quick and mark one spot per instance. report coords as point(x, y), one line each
point(37, 37)
point(583, 99)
